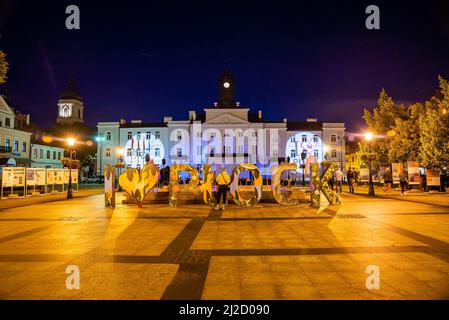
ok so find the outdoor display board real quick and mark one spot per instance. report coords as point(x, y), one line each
point(67, 176)
point(13, 177)
point(364, 174)
point(396, 169)
point(433, 178)
point(414, 178)
point(35, 176)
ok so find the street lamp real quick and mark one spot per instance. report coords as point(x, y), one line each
point(70, 143)
point(100, 140)
point(369, 137)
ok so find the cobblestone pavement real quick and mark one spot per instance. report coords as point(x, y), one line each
point(193, 252)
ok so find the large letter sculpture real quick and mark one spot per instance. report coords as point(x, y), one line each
point(320, 184)
point(109, 186)
point(258, 182)
point(206, 187)
point(283, 197)
point(175, 187)
point(137, 183)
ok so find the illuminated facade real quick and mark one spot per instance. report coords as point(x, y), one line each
point(224, 134)
point(70, 106)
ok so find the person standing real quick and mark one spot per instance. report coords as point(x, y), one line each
point(223, 181)
point(403, 179)
point(350, 176)
point(338, 180)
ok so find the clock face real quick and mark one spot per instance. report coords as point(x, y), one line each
point(226, 85)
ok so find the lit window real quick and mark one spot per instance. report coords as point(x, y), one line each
point(130, 135)
point(24, 146)
point(16, 146)
point(304, 138)
point(157, 152)
point(293, 153)
point(179, 152)
point(108, 152)
point(334, 154)
point(316, 153)
point(7, 143)
point(240, 134)
point(333, 138)
point(108, 136)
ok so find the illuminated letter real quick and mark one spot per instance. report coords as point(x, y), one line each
point(320, 184)
point(258, 182)
point(283, 198)
point(72, 21)
point(137, 183)
point(175, 187)
point(206, 187)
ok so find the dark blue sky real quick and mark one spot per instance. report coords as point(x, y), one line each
point(147, 59)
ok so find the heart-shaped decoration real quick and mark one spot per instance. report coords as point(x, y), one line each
point(138, 183)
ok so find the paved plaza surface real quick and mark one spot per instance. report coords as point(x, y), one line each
point(193, 252)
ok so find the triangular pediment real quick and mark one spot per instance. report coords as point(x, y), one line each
point(226, 118)
point(4, 106)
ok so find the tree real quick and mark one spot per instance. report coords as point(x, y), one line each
point(434, 129)
point(381, 121)
point(404, 144)
point(4, 66)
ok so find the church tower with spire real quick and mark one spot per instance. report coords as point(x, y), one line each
point(70, 106)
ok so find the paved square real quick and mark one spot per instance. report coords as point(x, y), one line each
point(193, 252)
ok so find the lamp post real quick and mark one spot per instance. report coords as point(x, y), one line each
point(100, 140)
point(369, 138)
point(71, 143)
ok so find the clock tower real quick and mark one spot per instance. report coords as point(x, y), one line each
point(70, 106)
point(226, 89)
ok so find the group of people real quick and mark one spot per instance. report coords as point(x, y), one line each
point(352, 177)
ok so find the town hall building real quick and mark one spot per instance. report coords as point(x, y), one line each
point(225, 133)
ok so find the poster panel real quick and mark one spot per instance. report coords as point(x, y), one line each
point(13, 177)
point(59, 176)
point(414, 177)
point(364, 175)
point(433, 178)
point(39, 177)
point(50, 176)
point(67, 176)
point(396, 169)
point(31, 176)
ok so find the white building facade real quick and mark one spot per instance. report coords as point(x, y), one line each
point(46, 156)
point(224, 134)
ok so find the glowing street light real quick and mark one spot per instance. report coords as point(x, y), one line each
point(326, 150)
point(369, 137)
point(71, 142)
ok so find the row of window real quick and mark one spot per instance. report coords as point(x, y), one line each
point(315, 138)
point(16, 145)
point(178, 135)
point(7, 123)
point(315, 153)
point(40, 152)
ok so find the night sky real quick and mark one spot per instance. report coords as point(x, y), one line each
point(148, 59)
